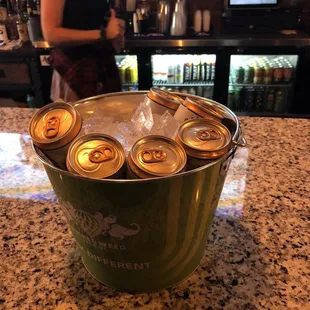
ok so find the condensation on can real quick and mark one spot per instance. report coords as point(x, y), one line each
point(154, 157)
point(53, 128)
point(97, 156)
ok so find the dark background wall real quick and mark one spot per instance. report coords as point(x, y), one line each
point(217, 7)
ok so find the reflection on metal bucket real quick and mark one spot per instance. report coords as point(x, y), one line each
point(140, 235)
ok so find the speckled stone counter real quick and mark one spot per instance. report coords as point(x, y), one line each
point(257, 256)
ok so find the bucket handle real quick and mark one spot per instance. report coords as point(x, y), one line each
point(240, 142)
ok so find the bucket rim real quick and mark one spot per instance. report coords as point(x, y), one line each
point(235, 137)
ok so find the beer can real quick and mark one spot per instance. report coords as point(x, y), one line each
point(97, 156)
point(203, 141)
point(53, 128)
point(154, 157)
point(162, 101)
point(195, 107)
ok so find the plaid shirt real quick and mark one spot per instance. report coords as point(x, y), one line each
point(84, 67)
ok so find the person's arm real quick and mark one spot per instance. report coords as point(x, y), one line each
point(55, 34)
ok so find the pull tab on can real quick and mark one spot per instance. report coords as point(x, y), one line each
point(208, 134)
point(51, 128)
point(153, 156)
point(101, 154)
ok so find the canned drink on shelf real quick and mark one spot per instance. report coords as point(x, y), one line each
point(280, 101)
point(199, 91)
point(268, 75)
point(97, 156)
point(288, 73)
point(240, 73)
point(208, 71)
point(178, 74)
point(187, 75)
point(52, 130)
point(192, 91)
point(239, 98)
point(278, 74)
point(154, 157)
point(230, 98)
point(259, 99)
point(270, 100)
point(258, 75)
point(203, 141)
point(249, 75)
point(208, 92)
point(212, 77)
point(162, 101)
point(249, 99)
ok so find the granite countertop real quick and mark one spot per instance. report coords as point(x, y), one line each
point(257, 256)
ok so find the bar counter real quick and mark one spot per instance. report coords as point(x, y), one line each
point(257, 256)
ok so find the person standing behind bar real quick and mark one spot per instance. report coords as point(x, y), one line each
point(85, 44)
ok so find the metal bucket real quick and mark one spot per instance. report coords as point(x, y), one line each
point(140, 235)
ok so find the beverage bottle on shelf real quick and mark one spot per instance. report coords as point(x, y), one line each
point(279, 105)
point(187, 76)
point(196, 69)
point(22, 28)
point(239, 98)
point(230, 98)
point(288, 72)
point(258, 75)
point(199, 91)
point(192, 91)
point(170, 74)
point(29, 8)
point(202, 68)
point(212, 77)
point(278, 73)
point(178, 74)
point(208, 70)
point(10, 23)
point(270, 100)
point(259, 99)
point(249, 99)
point(248, 74)
point(208, 92)
point(240, 74)
point(268, 76)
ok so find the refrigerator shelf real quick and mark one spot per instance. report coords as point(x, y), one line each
point(190, 84)
point(129, 84)
point(260, 85)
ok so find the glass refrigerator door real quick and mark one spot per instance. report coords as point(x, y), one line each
point(192, 74)
point(261, 83)
point(128, 69)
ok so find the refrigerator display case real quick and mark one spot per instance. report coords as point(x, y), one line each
point(261, 83)
point(186, 73)
point(128, 69)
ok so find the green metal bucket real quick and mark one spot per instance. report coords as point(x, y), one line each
point(140, 235)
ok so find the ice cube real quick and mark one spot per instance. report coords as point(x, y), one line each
point(165, 125)
point(142, 120)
